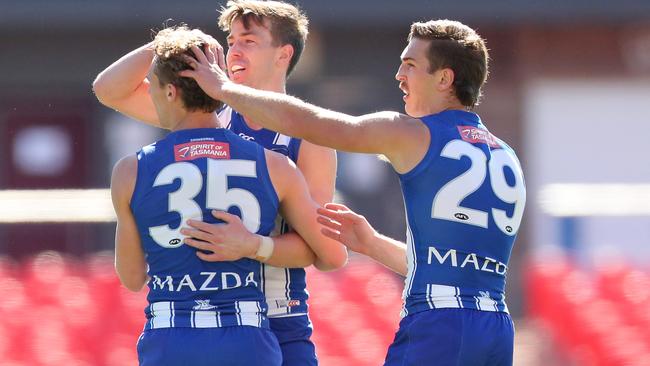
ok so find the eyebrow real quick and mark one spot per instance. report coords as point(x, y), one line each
point(404, 59)
point(247, 33)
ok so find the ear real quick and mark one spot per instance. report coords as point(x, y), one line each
point(171, 92)
point(286, 53)
point(445, 79)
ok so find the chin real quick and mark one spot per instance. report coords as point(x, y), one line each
point(412, 112)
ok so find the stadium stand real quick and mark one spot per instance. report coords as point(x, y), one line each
point(64, 311)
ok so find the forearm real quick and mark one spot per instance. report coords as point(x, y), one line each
point(132, 279)
point(290, 251)
point(389, 252)
point(130, 266)
point(124, 76)
point(291, 116)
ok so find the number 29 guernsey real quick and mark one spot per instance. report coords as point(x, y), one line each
point(464, 203)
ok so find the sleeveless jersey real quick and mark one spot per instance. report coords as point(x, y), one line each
point(285, 288)
point(183, 176)
point(464, 203)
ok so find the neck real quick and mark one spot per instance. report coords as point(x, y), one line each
point(445, 104)
point(197, 120)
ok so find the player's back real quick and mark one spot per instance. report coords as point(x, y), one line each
point(186, 175)
point(464, 202)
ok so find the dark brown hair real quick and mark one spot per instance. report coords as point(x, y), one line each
point(458, 47)
point(288, 23)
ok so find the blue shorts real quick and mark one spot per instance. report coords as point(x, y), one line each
point(227, 346)
point(453, 337)
point(293, 334)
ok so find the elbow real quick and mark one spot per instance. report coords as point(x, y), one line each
point(133, 284)
point(101, 90)
point(132, 281)
point(309, 260)
point(332, 263)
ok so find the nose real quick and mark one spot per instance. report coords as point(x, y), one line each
point(234, 50)
point(399, 76)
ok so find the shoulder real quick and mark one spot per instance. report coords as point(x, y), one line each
point(278, 162)
point(408, 139)
point(282, 171)
point(125, 167)
point(123, 178)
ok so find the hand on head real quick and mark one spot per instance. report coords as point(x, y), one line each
point(207, 68)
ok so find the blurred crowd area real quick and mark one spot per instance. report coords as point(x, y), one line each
point(568, 90)
point(62, 310)
point(65, 310)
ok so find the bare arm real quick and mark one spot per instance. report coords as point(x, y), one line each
point(318, 166)
point(231, 241)
point(402, 139)
point(299, 209)
point(124, 87)
point(354, 231)
point(130, 263)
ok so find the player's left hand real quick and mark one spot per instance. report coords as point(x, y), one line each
point(207, 68)
point(227, 241)
point(347, 227)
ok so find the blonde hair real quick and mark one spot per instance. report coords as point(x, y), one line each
point(170, 45)
point(288, 24)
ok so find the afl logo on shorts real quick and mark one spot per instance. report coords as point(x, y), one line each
point(175, 242)
point(461, 216)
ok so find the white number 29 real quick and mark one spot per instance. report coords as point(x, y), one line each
point(446, 204)
point(218, 195)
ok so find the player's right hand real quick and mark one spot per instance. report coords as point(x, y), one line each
point(347, 227)
point(227, 241)
point(207, 68)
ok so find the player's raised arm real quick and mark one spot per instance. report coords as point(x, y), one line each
point(124, 87)
point(130, 263)
point(401, 138)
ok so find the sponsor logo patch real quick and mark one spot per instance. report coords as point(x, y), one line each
point(204, 149)
point(287, 303)
point(293, 303)
point(475, 135)
point(203, 305)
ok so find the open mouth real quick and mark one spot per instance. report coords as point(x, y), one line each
point(404, 90)
point(235, 69)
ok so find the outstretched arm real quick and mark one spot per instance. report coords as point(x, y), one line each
point(354, 231)
point(130, 263)
point(402, 139)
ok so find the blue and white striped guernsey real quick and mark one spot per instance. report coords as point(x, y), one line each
point(184, 176)
point(285, 288)
point(464, 203)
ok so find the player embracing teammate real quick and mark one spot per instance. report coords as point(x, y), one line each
point(463, 188)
